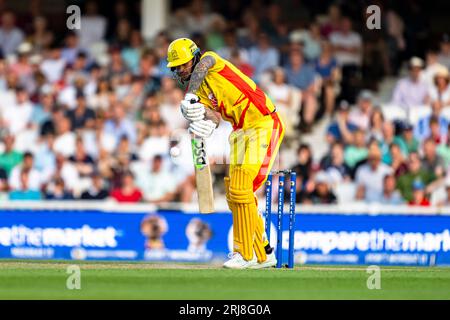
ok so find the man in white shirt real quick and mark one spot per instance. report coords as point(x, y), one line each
point(369, 177)
point(411, 91)
point(34, 181)
point(53, 66)
point(93, 26)
point(159, 184)
point(65, 139)
point(347, 44)
point(10, 36)
point(361, 115)
point(17, 115)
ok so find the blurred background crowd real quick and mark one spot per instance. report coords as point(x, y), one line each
point(94, 113)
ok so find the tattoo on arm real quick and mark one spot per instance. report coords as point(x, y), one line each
point(199, 73)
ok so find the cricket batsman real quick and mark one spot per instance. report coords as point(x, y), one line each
point(219, 89)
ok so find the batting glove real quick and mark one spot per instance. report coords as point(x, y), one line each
point(191, 108)
point(202, 128)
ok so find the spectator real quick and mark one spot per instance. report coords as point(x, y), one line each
point(81, 160)
point(341, 129)
point(443, 150)
point(388, 139)
point(42, 37)
point(408, 139)
point(446, 201)
point(303, 167)
point(131, 54)
point(9, 158)
point(119, 125)
point(231, 44)
point(322, 193)
point(432, 66)
point(369, 176)
point(128, 192)
point(431, 161)
point(245, 67)
point(10, 36)
point(334, 165)
point(263, 57)
point(419, 195)
point(440, 92)
point(17, 116)
point(357, 151)
point(422, 129)
point(57, 191)
point(22, 67)
point(71, 48)
point(415, 172)
point(3, 181)
point(97, 190)
point(42, 110)
point(94, 26)
point(53, 65)
point(390, 195)
point(376, 124)
point(158, 185)
point(302, 76)
point(411, 91)
point(397, 160)
point(444, 53)
point(24, 192)
point(361, 115)
point(34, 176)
point(65, 138)
point(82, 117)
point(326, 67)
point(347, 46)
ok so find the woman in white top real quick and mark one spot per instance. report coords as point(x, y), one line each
point(440, 92)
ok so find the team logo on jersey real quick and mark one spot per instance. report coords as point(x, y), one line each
point(213, 100)
point(174, 54)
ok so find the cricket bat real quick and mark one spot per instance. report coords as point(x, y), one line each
point(203, 177)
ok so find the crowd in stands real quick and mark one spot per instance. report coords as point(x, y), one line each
point(93, 113)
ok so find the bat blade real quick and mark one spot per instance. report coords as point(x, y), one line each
point(203, 178)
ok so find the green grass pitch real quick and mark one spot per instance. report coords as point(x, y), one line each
point(21, 279)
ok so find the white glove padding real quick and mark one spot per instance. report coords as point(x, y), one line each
point(192, 111)
point(202, 128)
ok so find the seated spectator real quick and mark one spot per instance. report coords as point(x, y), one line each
point(263, 57)
point(303, 168)
point(128, 192)
point(17, 116)
point(446, 202)
point(119, 125)
point(440, 91)
point(67, 171)
point(408, 139)
point(341, 129)
point(94, 25)
point(432, 66)
point(415, 172)
point(347, 47)
point(34, 176)
point(369, 176)
point(82, 117)
point(53, 66)
point(238, 61)
point(335, 167)
point(24, 192)
point(422, 129)
point(157, 184)
point(356, 151)
point(397, 160)
point(97, 190)
point(431, 161)
point(65, 139)
point(390, 194)
point(411, 91)
point(419, 197)
point(71, 47)
point(9, 158)
point(326, 67)
point(443, 150)
point(388, 139)
point(10, 35)
point(376, 124)
point(231, 44)
point(82, 161)
point(42, 111)
point(57, 191)
point(361, 115)
point(302, 76)
point(322, 193)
